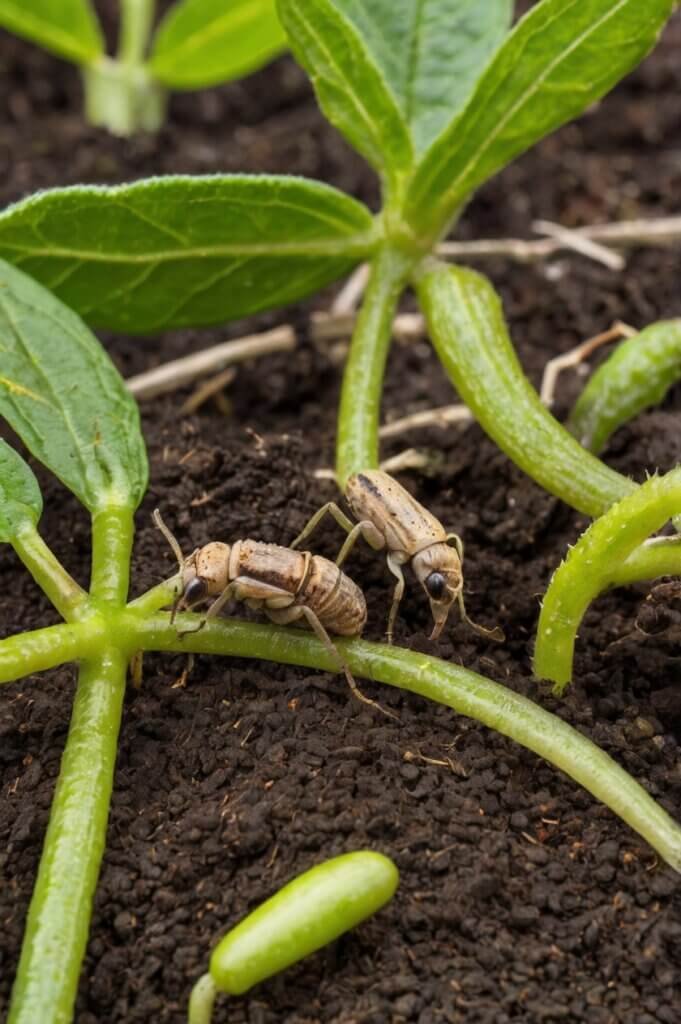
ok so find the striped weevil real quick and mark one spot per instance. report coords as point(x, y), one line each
point(390, 518)
point(289, 586)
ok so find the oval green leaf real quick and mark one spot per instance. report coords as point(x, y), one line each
point(350, 85)
point(561, 56)
point(430, 53)
point(65, 399)
point(183, 251)
point(68, 28)
point(20, 499)
point(204, 42)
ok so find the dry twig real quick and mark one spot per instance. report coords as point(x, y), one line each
point(178, 372)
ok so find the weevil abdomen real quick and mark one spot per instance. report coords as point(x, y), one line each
point(269, 563)
point(406, 525)
point(337, 602)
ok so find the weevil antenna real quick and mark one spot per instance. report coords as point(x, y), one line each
point(170, 537)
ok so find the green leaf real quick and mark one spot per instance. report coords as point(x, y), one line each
point(66, 27)
point(20, 498)
point(350, 85)
point(430, 53)
point(63, 396)
point(562, 55)
point(204, 42)
point(182, 251)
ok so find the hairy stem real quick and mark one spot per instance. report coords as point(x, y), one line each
point(594, 563)
point(67, 597)
point(112, 533)
point(59, 915)
point(466, 692)
point(467, 327)
point(360, 405)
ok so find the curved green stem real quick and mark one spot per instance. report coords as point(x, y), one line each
point(467, 327)
point(466, 692)
point(660, 556)
point(67, 597)
point(112, 533)
point(637, 375)
point(360, 405)
point(594, 563)
point(59, 915)
point(202, 1000)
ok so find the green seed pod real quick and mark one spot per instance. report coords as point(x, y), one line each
point(305, 915)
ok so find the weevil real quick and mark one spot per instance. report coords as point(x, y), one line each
point(390, 518)
point(289, 586)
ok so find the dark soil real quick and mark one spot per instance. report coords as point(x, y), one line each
point(521, 898)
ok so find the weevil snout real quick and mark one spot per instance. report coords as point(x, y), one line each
point(438, 570)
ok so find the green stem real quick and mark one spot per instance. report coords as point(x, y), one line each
point(636, 376)
point(360, 405)
point(120, 94)
point(40, 649)
point(660, 556)
point(112, 533)
point(67, 597)
point(594, 564)
point(466, 692)
point(202, 1000)
point(160, 596)
point(135, 28)
point(466, 324)
point(59, 915)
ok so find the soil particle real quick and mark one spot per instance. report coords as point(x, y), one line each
point(521, 899)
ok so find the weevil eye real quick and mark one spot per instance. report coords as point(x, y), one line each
point(436, 585)
point(195, 591)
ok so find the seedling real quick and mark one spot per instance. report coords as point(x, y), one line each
point(60, 393)
point(391, 518)
point(438, 97)
point(308, 913)
point(197, 44)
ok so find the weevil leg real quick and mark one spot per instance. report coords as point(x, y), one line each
point(368, 531)
point(332, 508)
point(284, 616)
point(396, 570)
point(491, 634)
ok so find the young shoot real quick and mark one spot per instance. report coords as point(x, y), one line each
point(64, 399)
point(438, 97)
point(306, 914)
point(197, 44)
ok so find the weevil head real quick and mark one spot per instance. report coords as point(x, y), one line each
point(204, 574)
point(438, 570)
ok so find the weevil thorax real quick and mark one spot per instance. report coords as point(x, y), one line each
point(205, 573)
point(438, 570)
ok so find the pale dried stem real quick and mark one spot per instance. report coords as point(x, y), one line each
point(577, 355)
point(175, 374)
